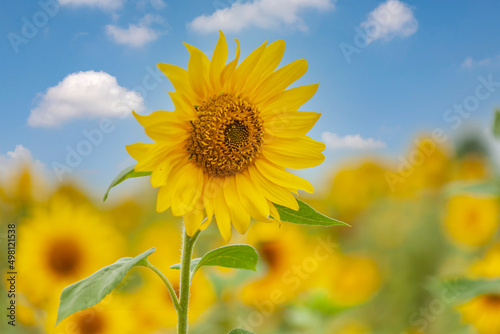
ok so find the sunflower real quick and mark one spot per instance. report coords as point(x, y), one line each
point(223, 151)
point(63, 244)
point(482, 312)
point(472, 221)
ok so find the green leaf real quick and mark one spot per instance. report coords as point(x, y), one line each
point(91, 290)
point(127, 173)
point(231, 256)
point(306, 215)
point(240, 331)
point(461, 290)
point(496, 124)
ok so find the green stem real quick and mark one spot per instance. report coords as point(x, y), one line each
point(170, 288)
point(187, 253)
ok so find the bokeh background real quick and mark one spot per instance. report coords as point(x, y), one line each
point(384, 274)
point(408, 91)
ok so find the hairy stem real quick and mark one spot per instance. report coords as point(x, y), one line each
point(165, 280)
point(187, 253)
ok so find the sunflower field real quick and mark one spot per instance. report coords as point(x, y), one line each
point(422, 255)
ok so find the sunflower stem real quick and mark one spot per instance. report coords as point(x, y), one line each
point(187, 253)
point(170, 288)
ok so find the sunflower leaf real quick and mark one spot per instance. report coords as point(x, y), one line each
point(459, 291)
point(231, 256)
point(91, 290)
point(306, 215)
point(127, 173)
point(240, 331)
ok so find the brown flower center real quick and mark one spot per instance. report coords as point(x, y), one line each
point(91, 322)
point(227, 136)
point(64, 257)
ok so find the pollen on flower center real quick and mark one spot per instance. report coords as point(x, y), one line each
point(227, 136)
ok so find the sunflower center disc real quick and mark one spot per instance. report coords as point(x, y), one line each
point(64, 257)
point(227, 136)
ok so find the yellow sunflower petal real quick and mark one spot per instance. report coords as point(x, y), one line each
point(239, 216)
point(246, 68)
point(183, 107)
point(282, 177)
point(164, 198)
point(156, 154)
point(179, 78)
point(228, 70)
point(273, 192)
point(198, 67)
point(160, 174)
point(252, 199)
point(302, 152)
point(187, 189)
point(163, 126)
point(218, 62)
point(274, 212)
point(192, 221)
point(139, 151)
point(279, 80)
point(292, 124)
point(222, 216)
point(288, 101)
point(270, 59)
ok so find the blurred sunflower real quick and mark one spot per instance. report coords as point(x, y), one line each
point(471, 221)
point(112, 315)
point(488, 266)
point(63, 244)
point(482, 312)
point(350, 279)
point(234, 130)
point(283, 250)
point(354, 188)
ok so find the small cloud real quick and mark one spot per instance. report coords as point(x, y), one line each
point(136, 35)
point(101, 4)
point(391, 19)
point(334, 141)
point(15, 160)
point(84, 95)
point(264, 14)
point(470, 63)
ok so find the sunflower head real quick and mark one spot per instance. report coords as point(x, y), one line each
point(224, 150)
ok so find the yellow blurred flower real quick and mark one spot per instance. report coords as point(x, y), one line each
point(61, 245)
point(283, 250)
point(354, 188)
point(350, 279)
point(488, 266)
point(471, 221)
point(483, 313)
point(349, 326)
point(234, 130)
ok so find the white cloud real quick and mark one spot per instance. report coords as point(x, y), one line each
point(15, 160)
point(265, 14)
point(470, 63)
point(391, 19)
point(102, 4)
point(136, 35)
point(334, 141)
point(84, 95)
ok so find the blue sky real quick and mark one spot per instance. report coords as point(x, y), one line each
point(417, 60)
